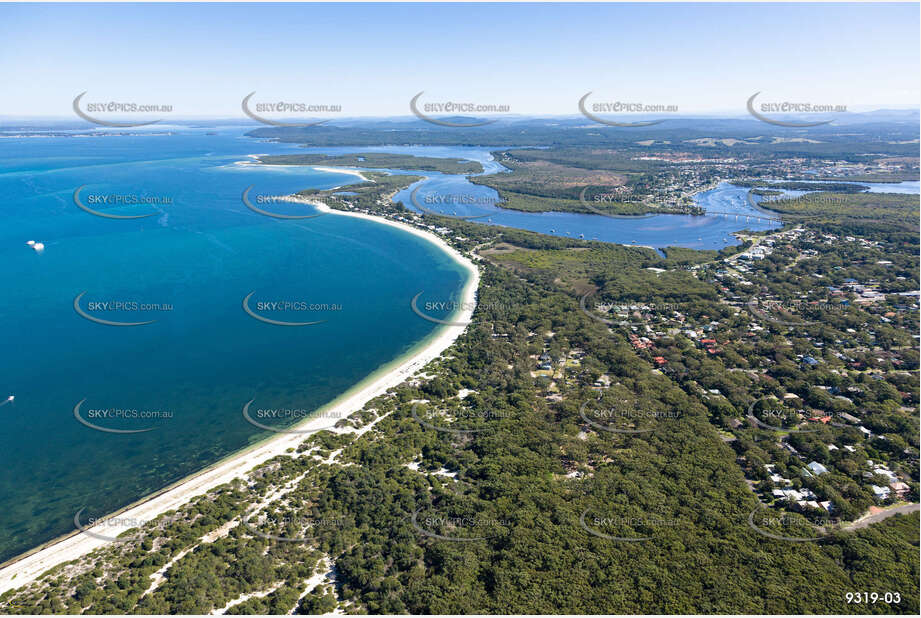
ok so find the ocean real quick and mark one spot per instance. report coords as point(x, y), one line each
point(177, 384)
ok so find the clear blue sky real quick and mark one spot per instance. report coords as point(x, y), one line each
point(536, 58)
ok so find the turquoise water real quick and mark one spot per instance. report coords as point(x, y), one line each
point(192, 370)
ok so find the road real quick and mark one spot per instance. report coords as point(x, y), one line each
point(866, 520)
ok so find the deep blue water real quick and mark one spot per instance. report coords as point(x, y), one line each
point(204, 358)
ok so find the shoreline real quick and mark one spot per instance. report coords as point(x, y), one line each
point(254, 160)
point(27, 567)
point(336, 170)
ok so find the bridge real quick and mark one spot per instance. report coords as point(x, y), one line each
point(746, 216)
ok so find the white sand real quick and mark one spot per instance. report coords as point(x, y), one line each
point(342, 170)
point(28, 568)
point(253, 160)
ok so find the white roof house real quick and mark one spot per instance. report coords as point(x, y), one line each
point(881, 493)
point(816, 467)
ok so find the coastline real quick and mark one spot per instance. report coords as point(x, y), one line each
point(25, 568)
point(337, 170)
point(254, 160)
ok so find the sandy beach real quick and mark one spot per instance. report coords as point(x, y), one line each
point(24, 569)
point(254, 159)
point(341, 170)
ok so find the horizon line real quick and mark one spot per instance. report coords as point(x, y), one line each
point(718, 115)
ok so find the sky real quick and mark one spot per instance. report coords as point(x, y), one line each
point(538, 59)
